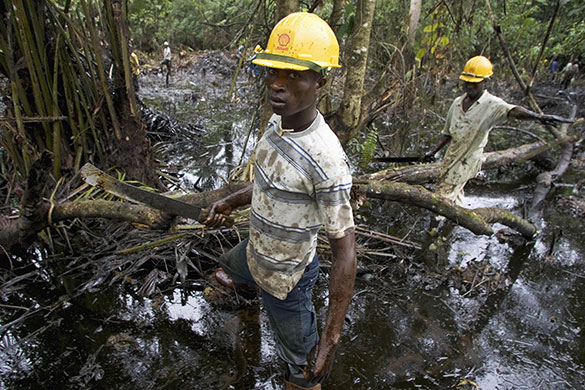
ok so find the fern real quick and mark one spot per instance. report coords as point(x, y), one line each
point(369, 147)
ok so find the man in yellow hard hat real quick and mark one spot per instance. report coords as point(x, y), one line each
point(468, 124)
point(301, 184)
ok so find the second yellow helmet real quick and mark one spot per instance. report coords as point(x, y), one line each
point(476, 70)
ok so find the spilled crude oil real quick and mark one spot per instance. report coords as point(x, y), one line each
point(468, 312)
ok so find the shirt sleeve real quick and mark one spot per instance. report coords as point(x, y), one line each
point(333, 200)
point(499, 111)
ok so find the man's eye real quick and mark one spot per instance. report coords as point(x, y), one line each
point(294, 75)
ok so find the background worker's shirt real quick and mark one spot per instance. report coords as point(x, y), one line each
point(302, 182)
point(469, 133)
point(134, 64)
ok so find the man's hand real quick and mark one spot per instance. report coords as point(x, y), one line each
point(552, 120)
point(428, 157)
point(217, 214)
point(341, 281)
point(319, 363)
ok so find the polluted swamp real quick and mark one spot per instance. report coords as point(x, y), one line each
point(435, 306)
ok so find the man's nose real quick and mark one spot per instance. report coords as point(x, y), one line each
point(277, 80)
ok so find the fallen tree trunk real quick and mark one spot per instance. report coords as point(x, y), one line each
point(16, 235)
point(19, 233)
point(475, 220)
point(544, 180)
point(419, 174)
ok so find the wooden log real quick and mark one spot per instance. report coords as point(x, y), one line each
point(476, 220)
point(420, 174)
point(421, 197)
point(17, 234)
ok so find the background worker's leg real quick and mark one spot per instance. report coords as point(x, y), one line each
point(453, 192)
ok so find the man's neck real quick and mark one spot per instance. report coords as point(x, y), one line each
point(299, 123)
point(468, 101)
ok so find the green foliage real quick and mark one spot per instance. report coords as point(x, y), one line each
point(59, 98)
point(369, 147)
point(196, 24)
point(346, 29)
point(147, 18)
point(432, 39)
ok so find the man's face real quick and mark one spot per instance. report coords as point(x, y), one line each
point(293, 93)
point(473, 90)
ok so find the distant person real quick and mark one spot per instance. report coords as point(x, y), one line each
point(166, 57)
point(254, 70)
point(239, 52)
point(569, 72)
point(468, 124)
point(135, 67)
point(554, 68)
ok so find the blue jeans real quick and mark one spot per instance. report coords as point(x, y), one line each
point(293, 320)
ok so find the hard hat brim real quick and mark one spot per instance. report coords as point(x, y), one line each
point(278, 64)
point(285, 62)
point(470, 79)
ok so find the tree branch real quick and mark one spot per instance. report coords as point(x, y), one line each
point(514, 69)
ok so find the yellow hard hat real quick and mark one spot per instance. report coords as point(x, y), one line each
point(476, 70)
point(301, 41)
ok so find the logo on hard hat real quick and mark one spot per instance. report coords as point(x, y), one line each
point(283, 41)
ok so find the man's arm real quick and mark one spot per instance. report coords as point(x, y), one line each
point(341, 282)
point(223, 207)
point(445, 139)
point(522, 113)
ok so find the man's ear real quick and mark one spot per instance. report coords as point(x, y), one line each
point(321, 82)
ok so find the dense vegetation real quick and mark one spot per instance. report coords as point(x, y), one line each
point(448, 30)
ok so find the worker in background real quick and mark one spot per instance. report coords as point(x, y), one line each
point(166, 61)
point(468, 124)
point(569, 72)
point(135, 68)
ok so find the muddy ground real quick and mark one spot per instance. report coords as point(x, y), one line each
point(464, 312)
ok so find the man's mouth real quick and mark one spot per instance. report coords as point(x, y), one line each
point(276, 101)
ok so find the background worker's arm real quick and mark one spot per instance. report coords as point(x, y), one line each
point(522, 113)
point(445, 139)
point(341, 282)
point(223, 207)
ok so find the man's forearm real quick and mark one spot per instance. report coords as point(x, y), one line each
point(241, 197)
point(445, 139)
point(547, 119)
point(341, 284)
point(522, 113)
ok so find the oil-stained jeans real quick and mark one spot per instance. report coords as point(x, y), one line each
point(293, 320)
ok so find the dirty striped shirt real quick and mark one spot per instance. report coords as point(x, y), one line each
point(302, 182)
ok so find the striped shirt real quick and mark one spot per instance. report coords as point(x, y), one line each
point(302, 182)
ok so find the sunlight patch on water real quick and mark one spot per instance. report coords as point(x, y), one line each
point(490, 200)
point(465, 246)
point(13, 358)
point(194, 310)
